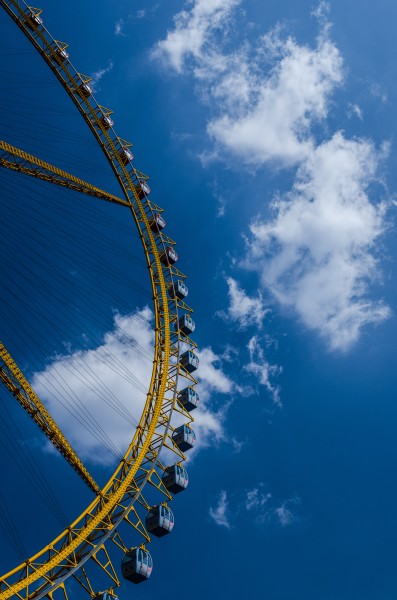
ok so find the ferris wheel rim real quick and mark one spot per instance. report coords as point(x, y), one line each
point(158, 356)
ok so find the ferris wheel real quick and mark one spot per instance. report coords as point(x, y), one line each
point(95, 536)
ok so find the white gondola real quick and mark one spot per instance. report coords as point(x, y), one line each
point(85, 89)
point(178, 290)
point(189, 398)
point(33, 20)
point(169, 256)
point(157, 223)
point(189, 361)
point(175, 478)
point(185, 325)
point(160, 520)
point(184, 437)
point(142, 189)
point(61, 53)
point(136, 565)
point(126, 155)
point(106, 121)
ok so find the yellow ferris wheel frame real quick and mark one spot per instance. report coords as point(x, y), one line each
point(46, 572)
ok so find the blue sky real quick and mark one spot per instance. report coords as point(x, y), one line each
point(268, 133)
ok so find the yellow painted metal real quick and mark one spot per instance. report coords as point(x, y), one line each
point(82, 578)
point(48, 569)
point(16, 159)
point(142, 177)
point(124, 143)
point(36, 11)
point(20, 388)
point(106, 111)
point(102, 559)
point(63, 591)
point(85, 78)
point(136, 523)
point(61, 45)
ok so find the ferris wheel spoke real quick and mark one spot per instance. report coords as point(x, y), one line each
point(16, 383)
point(16, 159)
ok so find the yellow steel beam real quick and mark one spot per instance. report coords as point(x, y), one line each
point(20, 388)
point(17, 160)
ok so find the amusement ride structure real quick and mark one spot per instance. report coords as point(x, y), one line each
point(94, 537)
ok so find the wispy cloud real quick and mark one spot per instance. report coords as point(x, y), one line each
point(243, 310)
point(256, 498)
point(264, 372)
point(212, 376)
point(219, 513)
point(256, 504)
point(209, 423)
point(284, 513)
point(378, 92)
point(266, 509)
point(143, 13)
point(98, 75)
point(119, 28)
point(353, 110)
point(147, 12)
point(191, 36)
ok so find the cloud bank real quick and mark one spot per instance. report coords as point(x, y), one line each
point(318, 255)
point(97, 395)
point(269, 100)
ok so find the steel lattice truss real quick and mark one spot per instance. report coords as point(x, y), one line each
point(16, 159)
point(121, 500)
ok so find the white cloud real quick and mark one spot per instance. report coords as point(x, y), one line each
point(220, 512)
point(237, 445)
point(98, 75)
point(318, 254)
point(267, 95)
point(258, 505)
point(118, 28)
point(285, 515)
point(243, 310)
point(97, 395)
point(94, 396)
point(212, 377)
point(209, 425)
point(262, 369)
point(145, 13)
point(378, 92)
point(256, 498)
point(262, 505)
point(192, 31)
point(272, 120)
point(321, 12)
point(221, 199)
point(355, 110)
